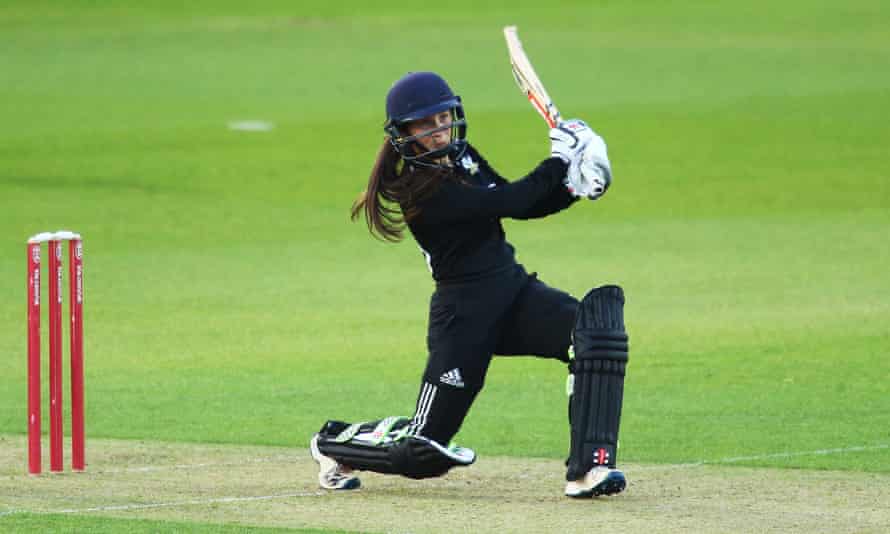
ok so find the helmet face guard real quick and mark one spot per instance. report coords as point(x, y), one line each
point(415, 96)
point(410, 146)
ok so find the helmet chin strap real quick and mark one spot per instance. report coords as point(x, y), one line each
point(441, 163)
point(445, 161)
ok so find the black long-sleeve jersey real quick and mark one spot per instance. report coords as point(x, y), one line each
point(459, 227)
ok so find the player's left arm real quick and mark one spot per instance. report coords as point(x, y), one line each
point(558, 199)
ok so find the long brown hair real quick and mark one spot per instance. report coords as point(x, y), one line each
point(394, 193)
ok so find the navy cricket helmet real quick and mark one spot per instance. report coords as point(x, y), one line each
point(415, 96)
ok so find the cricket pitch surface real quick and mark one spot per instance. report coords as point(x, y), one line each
point(276, 487)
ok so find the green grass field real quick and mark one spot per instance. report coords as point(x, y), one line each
point(230, 301)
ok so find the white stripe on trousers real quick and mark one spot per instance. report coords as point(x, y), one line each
point(424, 403)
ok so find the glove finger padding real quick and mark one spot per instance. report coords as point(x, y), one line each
point(596, 177)
point(563, 144)
point(569, 138)
point(590, 174)
point(574, 180)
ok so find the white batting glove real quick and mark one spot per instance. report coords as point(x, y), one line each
point(596, 168)
point(590, 174)
point(568, 139)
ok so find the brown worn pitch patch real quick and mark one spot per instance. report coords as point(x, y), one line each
point(272, 486)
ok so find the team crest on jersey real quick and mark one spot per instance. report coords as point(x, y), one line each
point(467, 163)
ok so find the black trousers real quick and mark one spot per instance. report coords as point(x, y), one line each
point(510, 314)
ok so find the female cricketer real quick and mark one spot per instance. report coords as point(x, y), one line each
point(428, 178)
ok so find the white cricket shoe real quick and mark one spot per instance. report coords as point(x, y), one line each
point(332, 475)
point(598, 481)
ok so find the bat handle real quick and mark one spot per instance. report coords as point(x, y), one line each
point(553, 116)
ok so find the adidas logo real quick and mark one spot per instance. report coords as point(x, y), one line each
point(452, 378)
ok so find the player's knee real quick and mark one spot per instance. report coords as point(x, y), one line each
point(424, 458)
point(599, 332)
point(444, 403)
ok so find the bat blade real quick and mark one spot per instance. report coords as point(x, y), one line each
point(527, 79)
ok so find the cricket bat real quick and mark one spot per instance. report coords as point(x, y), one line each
point(527, 79)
